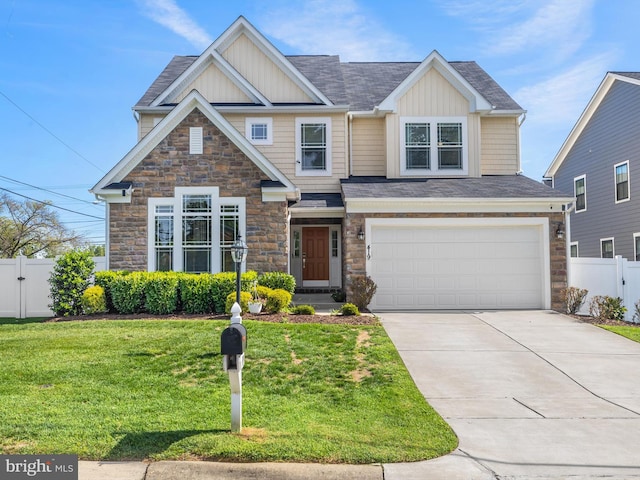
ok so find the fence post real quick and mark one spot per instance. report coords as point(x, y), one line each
point(21, 263)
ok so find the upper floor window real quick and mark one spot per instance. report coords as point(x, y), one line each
point(622, 181)
point(259, 131)
point(606, 248)
point(433, 146)
point(636, 246)
point(313, 146)
point(580, 192)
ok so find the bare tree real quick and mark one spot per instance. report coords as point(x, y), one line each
point(32, 228)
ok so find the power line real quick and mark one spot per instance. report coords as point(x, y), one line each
point(51, 133)
point(50, 204)
point(45, 190)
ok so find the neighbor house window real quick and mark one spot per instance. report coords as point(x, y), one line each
point(606, 248)
point(574, 249)
point(622, 181)
point(636, 246)
point(313, 146)
point(580, 192)
point(193, 231)
point(433, 145)
point(259, 131)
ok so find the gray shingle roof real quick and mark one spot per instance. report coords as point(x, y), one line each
point(634, 75)
point(362, 86)
point(504, 186)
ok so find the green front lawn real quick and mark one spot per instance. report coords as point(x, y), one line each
point(155, 389)
point(632, 333)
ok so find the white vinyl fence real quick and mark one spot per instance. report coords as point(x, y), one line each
point(615, 277)
point(24, 286)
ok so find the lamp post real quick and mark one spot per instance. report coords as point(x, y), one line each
point(239, 254)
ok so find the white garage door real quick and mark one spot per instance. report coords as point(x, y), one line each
point(458, 264)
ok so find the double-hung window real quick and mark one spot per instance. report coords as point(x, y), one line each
point(193, 231)
point(622, 181)
point(313, 146)
point(606, 248)
point(580, 192)
point(636, 246)
point(433, 146)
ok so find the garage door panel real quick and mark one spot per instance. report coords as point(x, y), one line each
point(457, 267)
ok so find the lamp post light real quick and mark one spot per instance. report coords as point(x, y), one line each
point(239, 254)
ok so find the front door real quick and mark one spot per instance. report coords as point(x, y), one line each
point(315, 256)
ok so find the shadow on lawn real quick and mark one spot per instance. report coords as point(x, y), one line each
point(142, 445)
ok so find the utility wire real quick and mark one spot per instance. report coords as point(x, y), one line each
point(45, 190)
point(50, 204)
point(51, 133)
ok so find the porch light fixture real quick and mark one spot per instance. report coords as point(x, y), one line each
point(239, 254)
point(560, 232)
point(360, 234)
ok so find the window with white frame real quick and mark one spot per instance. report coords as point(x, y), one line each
point(622, 181)
point(636, 247)
point(433, 146)
point(606, 248)
point(193, 231)
point(313, 146)
point(580, 192)
point(259, 131)
point(574, 249)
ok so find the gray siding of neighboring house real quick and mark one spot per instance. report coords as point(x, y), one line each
point(611, 136)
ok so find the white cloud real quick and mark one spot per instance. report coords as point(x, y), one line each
point(335, 28)
point(168, 14)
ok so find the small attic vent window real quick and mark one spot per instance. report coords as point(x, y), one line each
point(195, 140)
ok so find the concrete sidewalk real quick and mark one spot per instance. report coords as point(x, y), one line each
point(530, 394)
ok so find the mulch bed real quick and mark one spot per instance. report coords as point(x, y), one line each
point(364, 319)
point(611, 323)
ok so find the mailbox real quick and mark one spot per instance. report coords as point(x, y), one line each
point(233, 340)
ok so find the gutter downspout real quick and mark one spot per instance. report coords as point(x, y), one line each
point(350, 127)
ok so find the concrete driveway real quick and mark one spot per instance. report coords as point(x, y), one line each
point(529, 394)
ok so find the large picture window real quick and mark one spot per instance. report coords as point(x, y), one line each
point(313, 146)
point(193, 231)
point(622, 181)
point(433, 146)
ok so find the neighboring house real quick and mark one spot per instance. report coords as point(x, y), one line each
point(600, 163)
point(406, 172)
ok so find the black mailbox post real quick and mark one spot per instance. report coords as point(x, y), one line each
point(233, 340)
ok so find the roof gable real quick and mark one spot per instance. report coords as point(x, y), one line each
point(593, 105)
point(476, 101)
point(171, 121)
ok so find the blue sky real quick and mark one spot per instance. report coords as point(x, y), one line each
point(70, 71)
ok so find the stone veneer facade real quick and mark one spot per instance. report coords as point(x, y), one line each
point(354, 250)
point(222, 165)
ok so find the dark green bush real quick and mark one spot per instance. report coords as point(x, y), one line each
point(349, 309)
point(104, 279)
point(278, 280)
point(225, 283)
point(93, 300)
point(303, 310)
point(128, 292)
point(161, 292)
point(278, 300)
point(196, 292)
point(70, 278)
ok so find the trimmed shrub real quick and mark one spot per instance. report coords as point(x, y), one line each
point(363, 288)
point(349, 309)
point(303, 310)
point(104, 279)
point(196, 292)
point(224, 283)
point(574, 298)
point(94, 300)
point(70, 278)
point(278, 300)
point(128, 292)
point(278, 280)
point(245, 298)
point(161, 292)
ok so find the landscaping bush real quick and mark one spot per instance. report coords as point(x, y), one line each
point(94, 300)
point(245, 298)
point(70, 278)
point(339, 296)
point(104, 279)
point(349, 309)
point(363, 288)
point(278, 300)
point(636, 314)
point(574, 298)
point(607, 308)
point(224, 283)
point(128, 292)
point(303, 310)
point(161, 292)
point(196, 292)
point(278, 280)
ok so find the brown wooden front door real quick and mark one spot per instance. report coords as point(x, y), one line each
point(315, 253)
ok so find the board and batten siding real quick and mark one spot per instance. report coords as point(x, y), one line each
point(611, 136)
point(368, 147)
point(499, 146)
point(216, 87)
